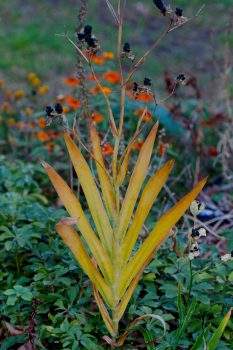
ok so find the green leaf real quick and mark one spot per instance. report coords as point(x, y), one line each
point(180, 331)
point(212, 344)
point(200, 340)
point(148, 337)
point(11, 300)
point(180, 304)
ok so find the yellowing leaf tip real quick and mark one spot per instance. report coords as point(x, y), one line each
point(44, 164)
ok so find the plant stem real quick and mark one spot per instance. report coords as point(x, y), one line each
point(190, 283)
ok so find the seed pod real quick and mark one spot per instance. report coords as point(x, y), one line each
point(196, 207)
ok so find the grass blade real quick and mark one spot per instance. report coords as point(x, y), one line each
point(180, 304)
point(213, 343)
point(199, 344)
point(148, 337)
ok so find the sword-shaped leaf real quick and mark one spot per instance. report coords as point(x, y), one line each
point(157, 236)
point(92, 195)
point(73, 241)
point(135, 183)
point(75, 210)
point(104, 178)
point(150, 192)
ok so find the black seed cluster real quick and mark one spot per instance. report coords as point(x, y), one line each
point(58, 108)
point(135, 87)
point(232, 253)
point(147, 82)
point(195, 233)
point(49, 110)
point(126, 47)
point(195, 249)
point(182, 78)
point(160, 5)
point(179, 12)
point(87, 36)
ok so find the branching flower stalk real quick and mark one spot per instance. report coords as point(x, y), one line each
point(109, 261)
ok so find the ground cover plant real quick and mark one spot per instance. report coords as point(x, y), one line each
point(114, 173)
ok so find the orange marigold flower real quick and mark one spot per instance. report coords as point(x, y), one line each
point(35, 82)
point(147, 116)
point(97, 117)
point(96, 90)
point(71, 81)
point(43, 89)
point(11, 122)
point(31, 76)
point(1, 83)
point(19, 94)
point(97, 59)
point(73, 102)
point(21, 124)
point(66, 109)
point(42, 136)
point(107, 149)
point(144, 97)
point(6, 106)
point(108, 55)
point(42, 122)
point(50, 146)
point(138, 145)
point(112, 77)
point(54, 134)
point(213, 151)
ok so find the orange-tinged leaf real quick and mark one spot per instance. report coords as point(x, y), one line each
point(135, 183)
point(75, 210)
point(157, 236)
point(150, 192)
point(73, 241)
point(104, 178)
point(123, 168)
point(103, 311)
point(92, 195)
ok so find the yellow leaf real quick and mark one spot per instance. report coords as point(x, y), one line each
point(135, 183)
point(104, 178)
point(103, 311)
point(123, 168)
point(75, 210)
point(157, 236)
point(73, 241)
point(92, 195)
point(150, 192)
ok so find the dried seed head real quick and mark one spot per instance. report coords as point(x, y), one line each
point(58, 108)
point(147, 82)
point(194, 251)
point(196, 233)
point(87, 30)
point(160, 5)
point(127, 52)
point(49, 110)
point(196, 207)
point(135, 87)
point(126, 47)
point(181, 79)
point(179, 12)
point(227, 257)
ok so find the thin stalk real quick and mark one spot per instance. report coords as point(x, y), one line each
point(190, 284)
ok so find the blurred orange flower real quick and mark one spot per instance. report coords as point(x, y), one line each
point(138, 145)
point(73, 102)
point(108, 55)
point(144, 97)
point(107, 149)
point(42, 122)
point(50, 146)
point(19, 94)
point(6, 106)
point(42, 136)
point(35, 81)
point(91, 77)
point(96, 90)
point(97, 59)
point(54, 134)
point(43, 89)
point(1, 83)
point(11, 122)
point(112, 77)
point(66, 109)
point(22, 125)
point(147, 116)
point(31, 76)
point(97, 117)
point(72, 81)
